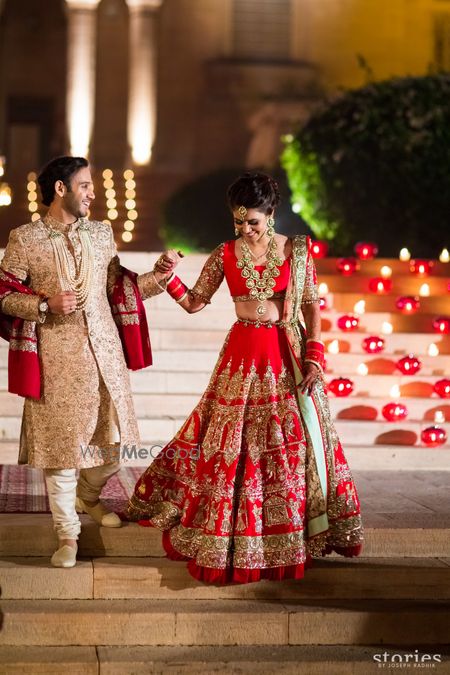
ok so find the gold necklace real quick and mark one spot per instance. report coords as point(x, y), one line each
point(79, 283)
point(260, 285)
point(258, 257)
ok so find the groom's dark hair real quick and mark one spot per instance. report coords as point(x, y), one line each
point(61, 168)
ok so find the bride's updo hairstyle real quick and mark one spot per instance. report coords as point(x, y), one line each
point(254, 191)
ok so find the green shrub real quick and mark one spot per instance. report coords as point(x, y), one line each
point(375, 165)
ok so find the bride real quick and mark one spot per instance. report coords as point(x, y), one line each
point(256, 482)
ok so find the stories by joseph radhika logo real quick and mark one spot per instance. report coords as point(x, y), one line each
point(413, 660)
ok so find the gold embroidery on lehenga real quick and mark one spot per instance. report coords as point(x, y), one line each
point(275, 511)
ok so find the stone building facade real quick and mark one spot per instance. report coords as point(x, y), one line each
point(180, 88)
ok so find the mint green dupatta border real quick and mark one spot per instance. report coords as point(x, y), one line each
point(316, 453)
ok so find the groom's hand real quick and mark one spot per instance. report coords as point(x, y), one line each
point(167, 262)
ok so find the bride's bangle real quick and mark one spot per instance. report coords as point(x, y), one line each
point(176, 289)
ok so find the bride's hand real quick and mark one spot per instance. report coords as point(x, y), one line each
point(167, 262)
point(310, 375)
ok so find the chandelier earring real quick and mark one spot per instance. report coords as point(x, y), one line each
point(270, 226)
point(236, 232)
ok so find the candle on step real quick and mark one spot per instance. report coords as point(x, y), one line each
point(387, 328)
point(424, 290)
point(386, 272)
point(444, 256)
point(362, 369)
point(333, 347)
point(404, 255)
point(433, 349)
point(360, 307)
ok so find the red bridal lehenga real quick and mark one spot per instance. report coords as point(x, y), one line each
point(255, 482)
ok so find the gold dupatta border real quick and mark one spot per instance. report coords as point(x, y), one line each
point(321, 436)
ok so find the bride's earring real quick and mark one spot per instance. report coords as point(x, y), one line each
point(236, 232)
point(270, 226)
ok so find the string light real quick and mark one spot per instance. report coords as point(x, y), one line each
point(386, 328)
point(32, 196)
point(424, 290)
point(323, 289)
point(386, 272)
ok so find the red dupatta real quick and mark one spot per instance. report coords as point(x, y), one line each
point(24, 372)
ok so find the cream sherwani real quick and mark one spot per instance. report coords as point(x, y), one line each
point(86, 396)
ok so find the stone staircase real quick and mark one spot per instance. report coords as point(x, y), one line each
point(126, 609)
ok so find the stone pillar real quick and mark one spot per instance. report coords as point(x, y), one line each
point(81, 51)
point(142, 98)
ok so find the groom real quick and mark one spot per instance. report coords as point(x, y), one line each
point(78, 322)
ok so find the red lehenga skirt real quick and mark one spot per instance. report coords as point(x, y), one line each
point(231, 491)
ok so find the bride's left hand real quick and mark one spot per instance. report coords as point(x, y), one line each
point(310, 374)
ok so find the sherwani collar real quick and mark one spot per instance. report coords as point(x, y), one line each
point(55, 224)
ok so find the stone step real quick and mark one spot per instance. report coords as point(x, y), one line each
point(219, 622)
point(191, 660)
point(387, 535)
point(223, 317)
point(26, 660)
point(158, 579)
point(160, 430)
point(187, 382)
point(349, 408)
point(174, 339)
point(360, 457)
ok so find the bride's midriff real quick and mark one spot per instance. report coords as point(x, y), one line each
point(247, 310)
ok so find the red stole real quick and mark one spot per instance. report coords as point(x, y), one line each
point(24, 372)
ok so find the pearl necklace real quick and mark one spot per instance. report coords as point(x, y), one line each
point(79, 283)
point(260, 285)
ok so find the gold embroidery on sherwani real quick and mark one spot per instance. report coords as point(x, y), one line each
point(84, 375)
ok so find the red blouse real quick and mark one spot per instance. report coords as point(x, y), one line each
point(235, 280)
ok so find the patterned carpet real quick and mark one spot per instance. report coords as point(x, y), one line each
point(22, 489)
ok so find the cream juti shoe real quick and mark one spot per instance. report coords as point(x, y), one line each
point(99, 513)
point(66, 556)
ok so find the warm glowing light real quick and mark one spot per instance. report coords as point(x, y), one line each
point(386, 272)
point(130, 204)
point(32, 176)
point(407, 304)
point(380, 285)
point(35, 216)
point(333, 347)
point(360, 307)
point(32, 196)
point(366, 250)
point(112, 214)
point(107, 222)
point(362, 369)
point(347, 266)
point(130, 194)
point(386, 328)
point(5, 194)
point(2, 166)
point(439, 417)
point(442, 325)
point(127, 236)
point(433, 349)
point(128, 225)
point(404, 255)
point(444, 256)
point(424, 290)
point(110, 193)
point(395, 391)
point(394, 412)
point(32, 207)
point(107, 174)
point(111, 203)
point(108, 184)
point(296, 207)
point(128, 174)
point(132, 215)
point(421, 268)
point(31, 187)
point(319, 249)
point(323, 288)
